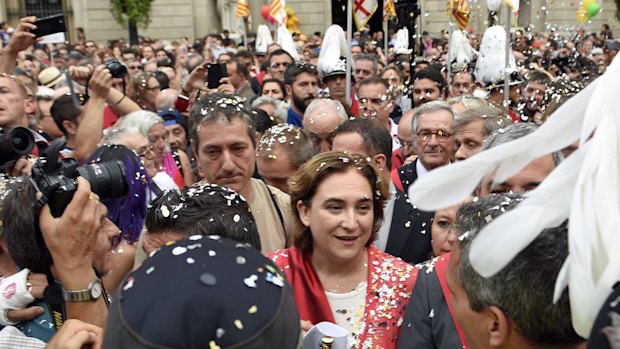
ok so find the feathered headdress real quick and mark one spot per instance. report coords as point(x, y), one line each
point(585, 189)
point(401, 45)
point(332, 58)
point(285, 40)
point(461, 52)
point(491, 63)
point(263, 39)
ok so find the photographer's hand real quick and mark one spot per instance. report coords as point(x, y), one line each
point(70, 240)
point(81, 74)
point(196, 79)
point(21, 39)
point(226, 86)
point(90, 129)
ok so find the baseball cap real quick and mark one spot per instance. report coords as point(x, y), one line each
point(204, 292)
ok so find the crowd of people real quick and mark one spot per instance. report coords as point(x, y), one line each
point(256, 198)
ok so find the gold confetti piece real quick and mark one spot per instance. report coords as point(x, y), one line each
point(213, 345)
point(253, 309)
point(238, 324)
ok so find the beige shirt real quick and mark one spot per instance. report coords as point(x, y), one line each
point(273, 235)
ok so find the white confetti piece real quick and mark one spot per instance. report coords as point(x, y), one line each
point(150, 270)
point(236, 218)
point(165, 212)
point(190, 260)
point(179, 250)
point(250, 281)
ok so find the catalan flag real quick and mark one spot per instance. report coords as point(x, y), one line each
point(389, 10)
point(460, 10)
point(243, 8)
point(277, 11)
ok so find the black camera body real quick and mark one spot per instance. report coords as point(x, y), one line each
point(14, 143)
point(56, 178)
point(116, 68)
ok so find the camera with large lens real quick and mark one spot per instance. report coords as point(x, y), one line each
point(14, 143)
point(56, 178)
point(116, 68)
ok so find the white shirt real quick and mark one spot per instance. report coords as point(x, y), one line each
point(348, 309)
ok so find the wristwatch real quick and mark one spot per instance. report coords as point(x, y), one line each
point(93, 292)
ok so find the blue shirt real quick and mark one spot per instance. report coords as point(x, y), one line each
point(293, 118)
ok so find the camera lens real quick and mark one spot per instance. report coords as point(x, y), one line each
point(107, 179)
point(17, 142)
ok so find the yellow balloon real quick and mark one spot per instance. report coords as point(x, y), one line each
point(582, 16)
point(587, 3)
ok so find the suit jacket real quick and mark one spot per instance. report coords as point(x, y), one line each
point(410, 231)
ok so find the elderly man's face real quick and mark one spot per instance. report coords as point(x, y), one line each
point(320, 125)
point(528, 179)
point(469, 139)
point(436, 150)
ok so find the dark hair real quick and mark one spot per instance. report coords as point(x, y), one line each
point(304, 184)
point(279, 52)
point(280, 83)
point(163, 79)
point(261, 121)
point(128, 212)
point(433, 75)
point(63, 109)
point(539, 77)
point(377, 139)
point(218, 107)
point(524, 288)
point(374, 80)
point(204, 209)
point(294, 70)
point(241, 68)
point(20, 230)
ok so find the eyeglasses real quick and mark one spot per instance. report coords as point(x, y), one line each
point(441, 135)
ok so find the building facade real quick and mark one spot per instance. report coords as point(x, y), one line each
point(174, 19)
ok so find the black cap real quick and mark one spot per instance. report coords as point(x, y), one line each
point(204, 292)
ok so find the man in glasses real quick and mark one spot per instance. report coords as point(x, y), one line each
point(279, 60)
point(433, 142)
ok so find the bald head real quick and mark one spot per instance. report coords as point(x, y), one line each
point(321, 119)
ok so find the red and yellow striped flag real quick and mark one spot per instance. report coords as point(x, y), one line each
point(276, 10)
point(243, 8)
point(460, 10)
point(389, 10)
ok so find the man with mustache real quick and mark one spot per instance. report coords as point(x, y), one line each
point(224, 142)
point(302, 85)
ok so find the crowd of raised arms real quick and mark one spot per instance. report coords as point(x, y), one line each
point(220, 194)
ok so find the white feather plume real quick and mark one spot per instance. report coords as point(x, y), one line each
point(285, 40)
point(263, 39)
point(449, 185)
point(333, 48)
point(491, 63)
point(546, 206)
point(401, 44)
point(460, 52)
point(494, 5)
